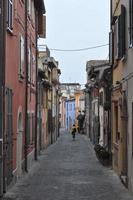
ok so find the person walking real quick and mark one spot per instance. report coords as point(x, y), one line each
point(73, 131)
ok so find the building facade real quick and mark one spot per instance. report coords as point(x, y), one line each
point(69, 91)
point(70, 113)
point(48, 98)
point(21, 30)
point(97, 96)
point(121, 58)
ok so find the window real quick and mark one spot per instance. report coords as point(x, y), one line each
point(33, 11)
point(42, 25)
point(33, 74)
point(10, 15)
point(111, 47)
point(28, 128)
point(119, 35)
point(9, 133)
point(21, 64)
point(29, 6)
point(33, 127)
point(116, 39)
point(122, 33)
point(29, 65)
point(117, 134)
point(131, 22)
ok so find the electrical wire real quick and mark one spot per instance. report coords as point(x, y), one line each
point(70, 50)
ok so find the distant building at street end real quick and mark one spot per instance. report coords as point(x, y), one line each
point(68, 96)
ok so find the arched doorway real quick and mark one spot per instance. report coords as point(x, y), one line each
point(19, 144)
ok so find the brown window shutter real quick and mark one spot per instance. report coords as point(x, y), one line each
point(111, 47)
point(116, 39)
point(42, 26)
point(122, 31)
point(119, 37)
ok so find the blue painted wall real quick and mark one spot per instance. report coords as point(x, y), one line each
point(70, 113)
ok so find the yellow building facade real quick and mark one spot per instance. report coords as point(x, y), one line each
point(119, 120)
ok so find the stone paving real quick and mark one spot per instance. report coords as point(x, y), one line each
point(69, 170)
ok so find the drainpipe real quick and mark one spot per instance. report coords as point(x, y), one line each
point(110, 139)
point(98, 114)
point(36, 105)
point(26, 83)
point(52, 114)
point(2, 80)
point(3, 76)
point(2, 84)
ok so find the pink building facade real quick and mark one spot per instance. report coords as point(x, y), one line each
point(25, 22)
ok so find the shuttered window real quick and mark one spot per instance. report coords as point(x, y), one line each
point(33, 11)
point(131, 22)
point(8, 135)
point(41, 25)
point(120, 35)
point(29, 65)
point(111, 47)
point(10, 15)
point(33, 127)
point(21, 64)
point(29, 7)
point(33, 70)
point(116, 39)
point(28, 128)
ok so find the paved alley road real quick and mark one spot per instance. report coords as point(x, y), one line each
point(69, 170)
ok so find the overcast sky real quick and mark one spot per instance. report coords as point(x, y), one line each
point(77, 24)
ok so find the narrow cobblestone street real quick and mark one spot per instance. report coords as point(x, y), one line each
point(69, 170)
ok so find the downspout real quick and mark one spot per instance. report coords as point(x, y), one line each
point(2, 84)
point(57, 116)
point(26, 83)
point(110, 139)
point(52, 114)
point(3, 75)
point(36, 104)
point(99, 125)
